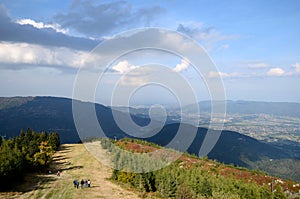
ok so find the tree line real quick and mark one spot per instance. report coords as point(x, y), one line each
point(28, 152)
point(177, 181)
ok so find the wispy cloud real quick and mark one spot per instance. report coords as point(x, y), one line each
point(47, 34)
point(258, 65)
point(222, 47)
point(271, 72)
point(41, 25)
point(213, 74)
point(296, 67)
point(209, 37)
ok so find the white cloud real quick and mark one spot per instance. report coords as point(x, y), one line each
point(272, 72)
point(182, 66)
point(30, 31)
point(41, 25)
point(32, 54)
point(296, 67)
point(259, 65)
point(214, 74)
point(123, 67)
point(276, 72)
point(134, 80)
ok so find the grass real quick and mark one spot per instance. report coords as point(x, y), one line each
point(74, 161)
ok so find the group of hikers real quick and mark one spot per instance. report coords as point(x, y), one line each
point(83, 183)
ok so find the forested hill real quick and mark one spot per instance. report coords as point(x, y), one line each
point(38, 113)
point(54, 114)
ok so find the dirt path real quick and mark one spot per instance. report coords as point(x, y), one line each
point(74, 162)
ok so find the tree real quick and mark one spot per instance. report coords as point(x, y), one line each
point(279, 194)
point(147, 181)
point(53, 140)
point(43, 136)
point(11, 165)
point(22, 134)
point(24, 153)
point(265, 193)
point(44, 157)
point(184, 192)
point(206, 188)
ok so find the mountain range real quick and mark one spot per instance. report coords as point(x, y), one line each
point(55, 114)
point(290, 109)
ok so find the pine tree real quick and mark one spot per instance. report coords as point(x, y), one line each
point(184, 192)
point(206, 188)
point(279, 194)
point(43, 158)
point(53, 140)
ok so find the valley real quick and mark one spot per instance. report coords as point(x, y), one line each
point(272, 123)
point(241, 148)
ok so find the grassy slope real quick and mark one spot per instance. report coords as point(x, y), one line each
point(213, 167)
point(74, 162)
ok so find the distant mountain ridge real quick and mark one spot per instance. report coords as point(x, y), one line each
point(55, 114)
point(290, 109)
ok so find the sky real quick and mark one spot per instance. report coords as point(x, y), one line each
point(255, 46)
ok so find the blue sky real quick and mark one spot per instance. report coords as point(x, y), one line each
point(254, 44)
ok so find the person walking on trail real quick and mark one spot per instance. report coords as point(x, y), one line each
point(82, 183)
point(76, 183)
point(58, 173)
point(89, 183)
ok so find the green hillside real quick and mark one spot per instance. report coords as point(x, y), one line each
point(189, 176)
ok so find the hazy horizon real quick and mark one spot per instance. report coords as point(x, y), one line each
point(145, 104)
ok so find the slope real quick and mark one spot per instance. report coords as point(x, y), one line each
point(232, 147)
point(74, 162)
point(55, 114)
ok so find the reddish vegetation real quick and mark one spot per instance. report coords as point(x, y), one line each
point(211, 166)
point(137, 148)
